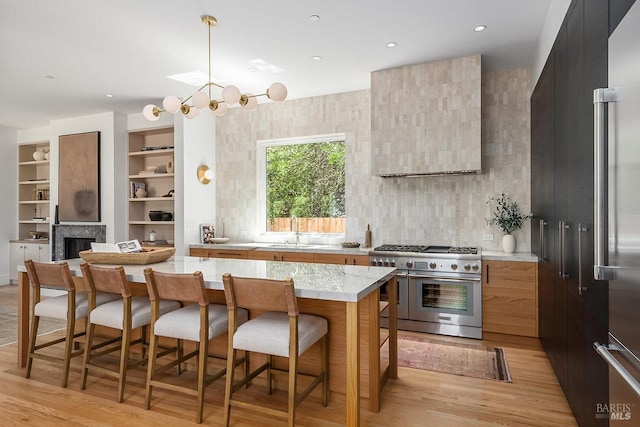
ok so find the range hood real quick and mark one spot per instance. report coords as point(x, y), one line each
point(426, 119)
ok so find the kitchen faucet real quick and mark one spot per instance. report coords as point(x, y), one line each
point(295, 218)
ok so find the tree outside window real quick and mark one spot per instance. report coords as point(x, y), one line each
point(306, 180)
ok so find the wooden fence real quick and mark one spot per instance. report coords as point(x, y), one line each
point(308, 225)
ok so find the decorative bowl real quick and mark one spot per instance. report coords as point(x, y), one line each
point(167, 216)
point(155, 215)
point(219, 240)
point(350, 244)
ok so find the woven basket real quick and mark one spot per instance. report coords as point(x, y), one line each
point(147, 256)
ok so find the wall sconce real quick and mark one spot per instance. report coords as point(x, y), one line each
point(205, 175)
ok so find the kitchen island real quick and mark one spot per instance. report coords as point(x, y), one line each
point(346, 295)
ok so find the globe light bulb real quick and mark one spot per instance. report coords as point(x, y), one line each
point(171, 104)
point(200, 100)
point(193, 113)
point(149, 112)
point(251, 102)
point(277, 92)
point(231, 94)
point(222, 108)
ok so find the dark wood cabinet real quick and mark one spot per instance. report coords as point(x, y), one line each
point(573, 308)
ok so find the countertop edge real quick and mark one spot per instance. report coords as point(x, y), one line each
point(503, 256)
point(330, 249)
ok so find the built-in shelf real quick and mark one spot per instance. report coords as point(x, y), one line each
point(33, 190)
point(153, 153)
point(155, 184)
point(152, 175)
point(151, 199)
point(152, 223)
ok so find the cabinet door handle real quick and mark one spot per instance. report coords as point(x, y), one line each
point(561, 247)
point(487, 274)
point(543, 243)
point(581, 230)
point(563, 227)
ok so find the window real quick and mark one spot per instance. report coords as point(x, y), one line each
point(303, 177)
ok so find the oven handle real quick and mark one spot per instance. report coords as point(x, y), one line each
point(443, 279)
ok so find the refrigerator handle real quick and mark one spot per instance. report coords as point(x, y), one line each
point(601, 97)
point(605, 353)
point(581, 230)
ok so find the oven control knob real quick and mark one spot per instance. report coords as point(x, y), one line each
point(475, 267)
point(386, 262)
point(392, 263)
point(432, 265)
point(454, 266)
point(409, 264)
point(467, 267)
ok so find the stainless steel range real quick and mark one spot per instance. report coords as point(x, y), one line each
point(439, 287)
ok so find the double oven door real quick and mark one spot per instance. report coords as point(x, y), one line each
point(445, 299)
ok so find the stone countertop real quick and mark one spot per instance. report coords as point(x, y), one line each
point(486, 255)
point(281, 247)
point(349, 283)
point(503, 256)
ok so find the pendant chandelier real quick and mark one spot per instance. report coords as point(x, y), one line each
point(202, 99)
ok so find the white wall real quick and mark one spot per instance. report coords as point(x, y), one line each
point(9, 197)
point(112, 140)
point(197, 200)
point(555, 16)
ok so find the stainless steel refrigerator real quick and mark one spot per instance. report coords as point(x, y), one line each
point(617, 218)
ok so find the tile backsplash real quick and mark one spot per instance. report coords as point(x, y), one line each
point(424, 210)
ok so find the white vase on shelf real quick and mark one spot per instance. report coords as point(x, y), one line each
point(39, 155)
point(509, 243)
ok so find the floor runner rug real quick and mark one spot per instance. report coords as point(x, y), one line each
point(468, 360)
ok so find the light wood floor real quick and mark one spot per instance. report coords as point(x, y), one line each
point(416, 398)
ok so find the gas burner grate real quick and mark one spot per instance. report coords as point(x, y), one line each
point(465, 250)
point(402, 248)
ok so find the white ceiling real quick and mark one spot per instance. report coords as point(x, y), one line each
point(127, 47)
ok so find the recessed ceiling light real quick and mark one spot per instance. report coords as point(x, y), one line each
point(391, 44)
point(316, 58)
point(480, 28)
point(49, 76)
point(109, 95)
point(253, 69)
point(314, 18)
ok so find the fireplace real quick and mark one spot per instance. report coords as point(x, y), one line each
point(73, 246)
point(79, 237)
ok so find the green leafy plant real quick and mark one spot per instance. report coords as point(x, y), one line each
point(507, 215)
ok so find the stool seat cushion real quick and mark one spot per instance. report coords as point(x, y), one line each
point(110, 314)
point(185, 323)
point(269, 333)
point(56, 307)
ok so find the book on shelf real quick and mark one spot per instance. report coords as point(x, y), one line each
point(124, 247)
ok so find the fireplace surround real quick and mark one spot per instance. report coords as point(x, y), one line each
point(96, 233)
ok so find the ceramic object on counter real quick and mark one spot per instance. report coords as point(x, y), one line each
point(509, 243)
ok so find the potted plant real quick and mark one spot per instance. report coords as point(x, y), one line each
point(508, 218)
